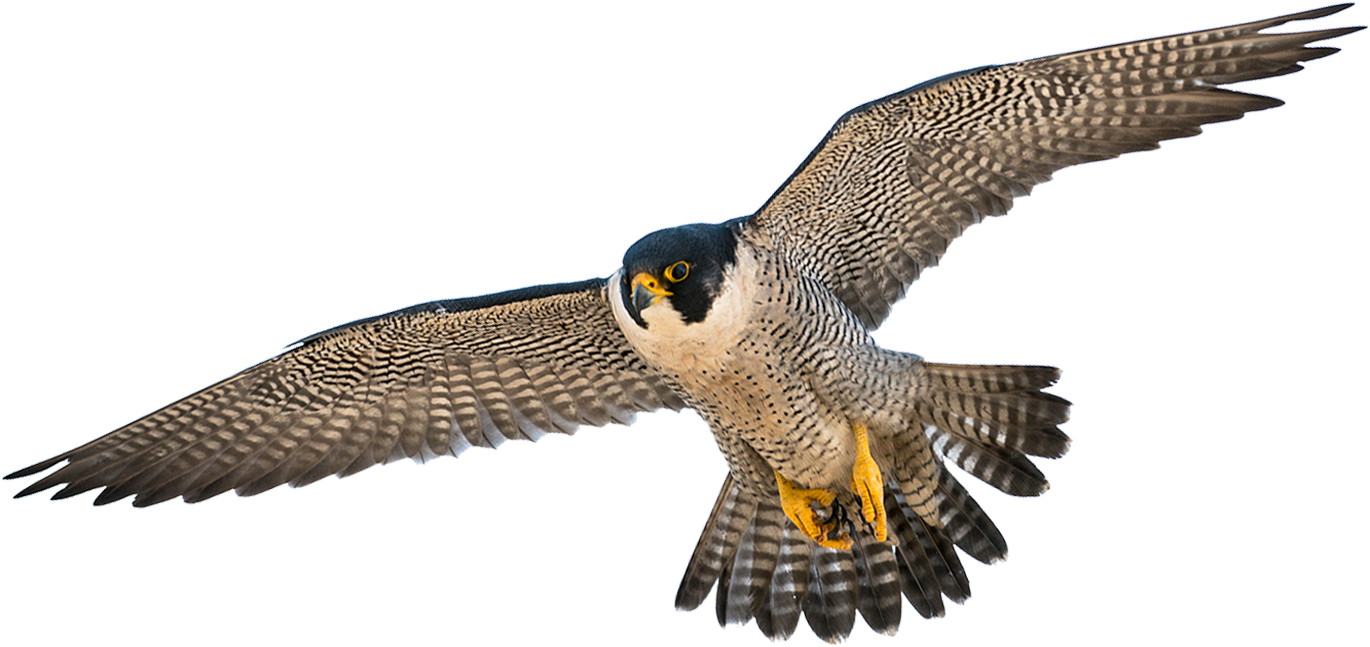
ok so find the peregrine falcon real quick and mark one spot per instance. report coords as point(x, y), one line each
point(837, 499)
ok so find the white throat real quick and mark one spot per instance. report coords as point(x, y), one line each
point(669, 340)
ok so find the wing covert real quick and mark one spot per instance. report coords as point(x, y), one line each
point(896, 180)
point(420, 382)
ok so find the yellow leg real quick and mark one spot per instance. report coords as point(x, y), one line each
point(798, 505)
point(868, 485)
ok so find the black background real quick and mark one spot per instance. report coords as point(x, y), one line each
point(202, 195)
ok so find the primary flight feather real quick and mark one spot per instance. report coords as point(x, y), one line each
point(838, 501)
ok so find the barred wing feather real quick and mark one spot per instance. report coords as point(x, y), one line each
point(426, 381)
point(897, 179)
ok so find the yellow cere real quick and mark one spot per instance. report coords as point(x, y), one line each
point(649, 283)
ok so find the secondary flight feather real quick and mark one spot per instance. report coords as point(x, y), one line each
point(838, 500)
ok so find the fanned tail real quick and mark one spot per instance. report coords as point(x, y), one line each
point(985, 419)
point(766, 569)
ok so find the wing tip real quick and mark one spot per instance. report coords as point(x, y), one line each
point(30, 490)
point(34, 468)
point(1320, 12)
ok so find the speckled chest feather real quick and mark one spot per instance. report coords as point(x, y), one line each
point(755, 368)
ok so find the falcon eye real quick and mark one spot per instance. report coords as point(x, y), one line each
point(677, 272)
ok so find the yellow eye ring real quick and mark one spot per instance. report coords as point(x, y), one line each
point(678, 272)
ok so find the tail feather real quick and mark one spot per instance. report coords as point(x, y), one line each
point(717, 544)
point(1044, 440)
point(752, 567)
point(968, 526)
point(955, 584)
point(766, 569)
point(941, 554)
point(779, 615)
point(985, 419)
point(725, 579)
point(877, 583)
point(995, 405)
point(975, 378)
point(1027, 410)
point(1009, 471)
point(830, 607)
point(917, 577)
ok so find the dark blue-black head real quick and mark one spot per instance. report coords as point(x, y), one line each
point(683, 266)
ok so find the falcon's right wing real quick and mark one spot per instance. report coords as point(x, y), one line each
point(424, 381)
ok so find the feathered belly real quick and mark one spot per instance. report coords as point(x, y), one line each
point(781, 420)
point(749, 370)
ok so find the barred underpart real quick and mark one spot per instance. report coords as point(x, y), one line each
point(876, 203)
point(984, 419)
point(880, 200)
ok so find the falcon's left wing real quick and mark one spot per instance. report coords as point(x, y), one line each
point(424, 381)
point(897, 179)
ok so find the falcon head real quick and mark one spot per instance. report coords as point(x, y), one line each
point(675, 274)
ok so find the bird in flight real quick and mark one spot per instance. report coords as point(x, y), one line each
point(838, 499)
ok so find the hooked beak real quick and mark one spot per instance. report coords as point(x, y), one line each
point(647, 291)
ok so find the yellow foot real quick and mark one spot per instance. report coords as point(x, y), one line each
point(798, 505)
point(868, 485)
point(842, 542)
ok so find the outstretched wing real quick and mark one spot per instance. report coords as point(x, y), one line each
point(897, 179)
point(425, 381)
